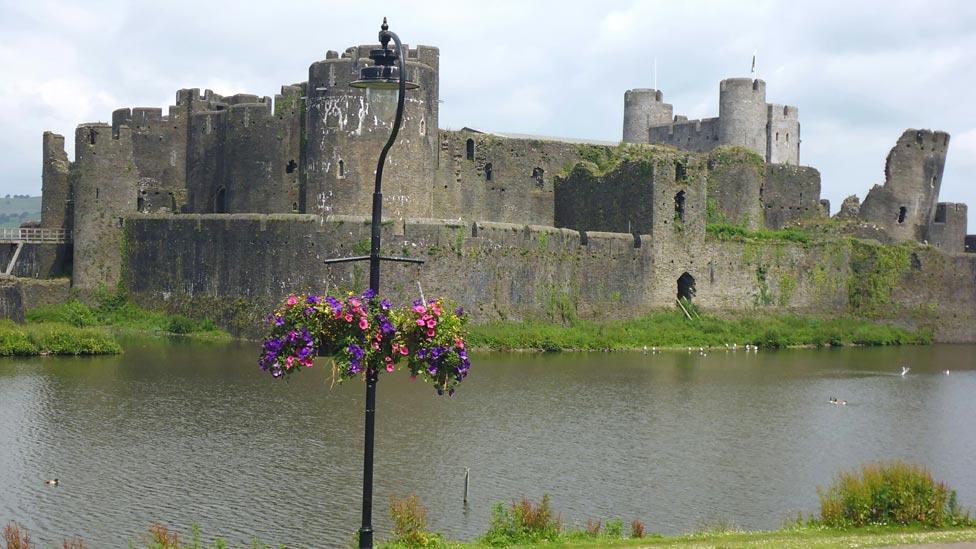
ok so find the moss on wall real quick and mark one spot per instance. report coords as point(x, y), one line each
point(876, 271)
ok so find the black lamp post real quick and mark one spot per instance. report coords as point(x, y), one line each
point(388, 72)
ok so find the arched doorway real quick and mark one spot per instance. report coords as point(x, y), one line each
point(686, 287)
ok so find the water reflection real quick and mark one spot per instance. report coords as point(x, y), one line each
point(189, 433)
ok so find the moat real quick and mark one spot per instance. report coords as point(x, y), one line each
point(186, 433)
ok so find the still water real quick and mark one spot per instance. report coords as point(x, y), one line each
point(185, 433)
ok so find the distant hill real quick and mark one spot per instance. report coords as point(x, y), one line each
point(15, 209)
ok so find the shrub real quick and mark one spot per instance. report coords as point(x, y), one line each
point(179, 324)
point(614, 529)
point(14, 538)
point(14, 341)
point(522, 522)
point(72, 312)
point(62, 339)
point(593, 528)
point(636, 529)
point(892, 492)
point(410, 523)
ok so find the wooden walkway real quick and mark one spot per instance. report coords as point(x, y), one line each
point(23, 236)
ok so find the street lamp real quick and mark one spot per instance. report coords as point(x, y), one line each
point(384, 78)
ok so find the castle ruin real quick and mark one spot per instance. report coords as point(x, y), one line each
point(225, 204)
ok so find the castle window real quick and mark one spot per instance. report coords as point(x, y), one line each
point(294, 206)
point(777, 136)
point(92, 134)
point(141, 204)
point(940, 213)
point(290, 168)
point(787, 138)
point(679, 206)
point(901, 214)
point(538, 174)
point(423, 126)
point(220, 201)
point(342, 169)
point(96, 193)
point(680, 172)
point(469, 149)
point(686, 287)
point(488, 170)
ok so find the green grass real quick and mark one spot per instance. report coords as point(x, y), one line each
point(123, 316)
point(787, 538)
point(51, 338)
point(672, 329)
point(726, 231)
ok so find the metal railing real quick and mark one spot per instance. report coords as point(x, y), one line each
point(35, 235)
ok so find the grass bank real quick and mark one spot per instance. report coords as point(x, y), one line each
point(672, 329)
point(798, 537)
point(118, 315)
point(54, 338)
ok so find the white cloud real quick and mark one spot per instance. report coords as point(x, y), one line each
point(860, 73)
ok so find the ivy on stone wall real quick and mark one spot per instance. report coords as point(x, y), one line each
point(875, 271)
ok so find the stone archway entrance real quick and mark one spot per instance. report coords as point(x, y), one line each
point(686, 287)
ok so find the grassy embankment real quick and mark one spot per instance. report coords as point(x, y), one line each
point(672, 329)
point(75, 328)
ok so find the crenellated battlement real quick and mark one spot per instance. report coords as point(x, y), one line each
point(783, 112)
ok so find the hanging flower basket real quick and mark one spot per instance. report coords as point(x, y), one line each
point(364, 334)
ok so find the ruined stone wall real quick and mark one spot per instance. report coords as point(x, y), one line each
point(783, 135)
point(345, 132)
point(158, 155)
point(948, 228)
point(790, 193)
point(234, 268)
point(57, 207)
point(19, 295)
point(905, 206)
point(689, 135)
point(486, 177)
point(735, 181)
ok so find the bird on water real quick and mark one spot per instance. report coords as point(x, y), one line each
point(52, 482)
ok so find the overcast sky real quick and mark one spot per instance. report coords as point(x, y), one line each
point(860, 72)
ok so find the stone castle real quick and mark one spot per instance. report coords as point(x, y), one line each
point(225, 204)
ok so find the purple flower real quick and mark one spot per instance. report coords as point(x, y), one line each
point(279, 321)
point(369, 294)
point(309, 311)
point(432, 370)
point(417, 302)
point(385, 305)
point(422, 354)
point(459, 311)
point(450, 392)
point(313, 299)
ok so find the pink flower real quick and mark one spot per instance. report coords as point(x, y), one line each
point(348, 317)
point(419, 309)
point(420, 322)
point(431, 323)
point(436, 307)
point(459, 342)
point(404, 351)
point(376, 346)
point(363, 323)
point(288, 362)
point(308, 362)
point(431, 332)
point(292, 300)
point(355, 302)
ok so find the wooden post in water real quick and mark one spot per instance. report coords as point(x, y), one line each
point(467, 473)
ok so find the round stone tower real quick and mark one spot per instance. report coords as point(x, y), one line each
point(643, 108)
point(345, 134)
point(742, 113)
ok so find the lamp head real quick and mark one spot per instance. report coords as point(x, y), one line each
point(384, 73)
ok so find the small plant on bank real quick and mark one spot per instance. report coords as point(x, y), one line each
point(522, 522)
point(593, 527)
point(636, 529)
point(410, 524)
point(366, 335)
point(14, 538)
point(614, 529)
point(890, 493)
